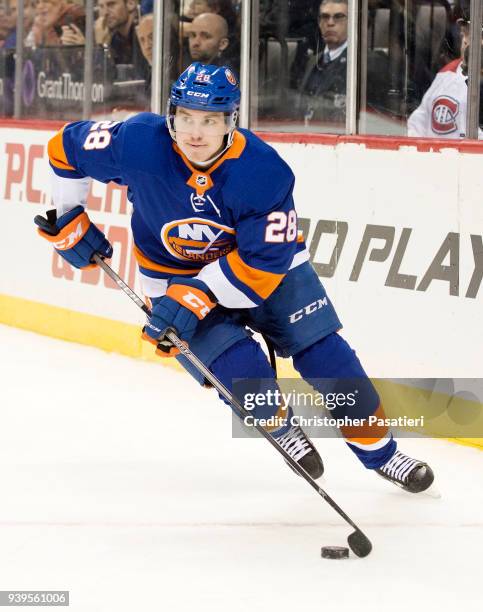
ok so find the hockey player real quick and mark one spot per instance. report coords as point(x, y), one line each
point(216, 240)
point(442, 112)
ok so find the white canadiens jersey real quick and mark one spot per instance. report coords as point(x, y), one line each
point(442, 112)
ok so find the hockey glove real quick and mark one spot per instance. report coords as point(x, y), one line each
point(187, 301)
point(74, 236)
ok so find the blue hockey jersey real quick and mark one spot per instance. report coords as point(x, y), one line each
point(233, 225)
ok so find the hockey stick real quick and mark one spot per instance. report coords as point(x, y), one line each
point(358, 542)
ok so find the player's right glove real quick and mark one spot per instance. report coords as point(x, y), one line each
point(74, 237)
point(187, 301)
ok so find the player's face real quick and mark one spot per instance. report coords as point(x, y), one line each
point(333, 23)
point(199, 134)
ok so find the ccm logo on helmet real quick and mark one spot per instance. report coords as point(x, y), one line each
point(197, 94)
point(308, 310)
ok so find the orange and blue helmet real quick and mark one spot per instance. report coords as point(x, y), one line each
point(206, 87)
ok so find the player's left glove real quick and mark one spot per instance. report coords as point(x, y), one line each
point(187, 301)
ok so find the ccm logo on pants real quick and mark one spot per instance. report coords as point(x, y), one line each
point(307, 310)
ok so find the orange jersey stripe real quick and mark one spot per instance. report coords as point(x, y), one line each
point(56, 152)
point(144, 262)
point(261, 282)
point(367, 434)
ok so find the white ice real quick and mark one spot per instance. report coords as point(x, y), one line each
point(121, 483)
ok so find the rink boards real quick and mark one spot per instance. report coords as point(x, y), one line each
point(395, 233)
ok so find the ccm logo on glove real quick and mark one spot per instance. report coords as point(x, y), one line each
point(74, 236)
point(71, 233)
point(187, 301)
point(192, 298)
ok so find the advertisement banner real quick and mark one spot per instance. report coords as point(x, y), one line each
point(53, 83)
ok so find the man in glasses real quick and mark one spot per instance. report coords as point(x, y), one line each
point(333, 27)
point(323, 87)
point(442, 112)
point(324, 84)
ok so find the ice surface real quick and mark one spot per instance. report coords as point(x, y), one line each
point(120, 482)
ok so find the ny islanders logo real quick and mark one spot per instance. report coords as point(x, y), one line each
point(230, 77)
point(443, 115)
point(197, 239)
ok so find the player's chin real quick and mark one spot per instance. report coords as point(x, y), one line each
point(196, 153)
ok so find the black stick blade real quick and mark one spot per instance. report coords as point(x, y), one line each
point(359, 543)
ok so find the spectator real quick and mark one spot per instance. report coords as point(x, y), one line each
point(220, 7)
point(208, 41)
point(8, 23)
point(296, 20)
point(4, 24)
point(120, 19)
point(72, 35)
point(323, 87)
point(144, 32)
point(50, 17)
point(102, 34)
point(324, 84)
point(442, 112)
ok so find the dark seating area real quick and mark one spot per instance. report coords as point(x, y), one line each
point(294, 87)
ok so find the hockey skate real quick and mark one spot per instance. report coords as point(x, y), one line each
point(410, 474)
point(301, 449)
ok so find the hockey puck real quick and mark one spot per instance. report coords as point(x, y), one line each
point(334, 552)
